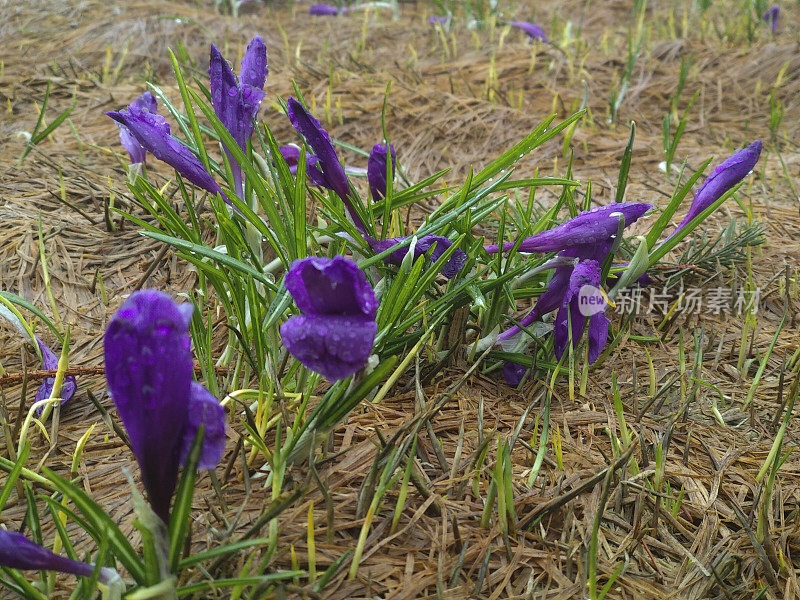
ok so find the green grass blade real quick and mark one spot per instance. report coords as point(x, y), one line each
point(101, 521)
point(182, 505)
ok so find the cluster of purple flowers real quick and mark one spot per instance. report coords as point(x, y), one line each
point(585, 240)
point(149, 366)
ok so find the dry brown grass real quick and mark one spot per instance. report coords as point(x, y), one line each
point(438, 117)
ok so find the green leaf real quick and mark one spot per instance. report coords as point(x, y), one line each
point(625, 165)
point(182, 505)
point(198, 139)
point(120, 545)
point(663, 220)
point(237, 581)
point(11, 481)
point(207, 252)
point(35, 139)
point(199, 557)
point(14, 299)
point(23, 586)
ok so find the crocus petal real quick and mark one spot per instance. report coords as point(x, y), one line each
point(335, 346)
point(557, 288)
point(206, 410)
point(254, 69)
point(771, 17)
point(513, 372)
point(149, 372)
point(235, 105)
point(560, 331)
point(135, 150)
point(450, 268)
point(153, 133)
point(18, 552)
point(598, 335)
point(320, 142)
point(727, 174)
point(437, 20)
point(376, 170)
point(291, 154)
point(588, 228)
point(331, 286)
point(531, 30)
point(50, 362)
point(323, 10)
point(585, 273)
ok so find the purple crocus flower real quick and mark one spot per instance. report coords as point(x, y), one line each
point(323, 10)
point(149, 372)
point(254, 68)
point(771, 17)
point(153, 133)
point(18, 552)
point(727, 174)
point(425, 243)
point(437, 20)
point(335, 335)
point(588, 238)
point(236, 102)
point(589, 228)
point(376, 170)
point(333, 175)
point(335, 178)
point(513, 373)
point(291, 154)
point(531, 30)
point(135, 150)
point(204, 409)
point(49, 363)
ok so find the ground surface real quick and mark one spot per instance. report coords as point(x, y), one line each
point(448, 107)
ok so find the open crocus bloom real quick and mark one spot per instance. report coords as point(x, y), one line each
point(588, 239)
point(153, 134)
point(335, 335)
point(235, 101)
point(18, 552)
point(149, 371)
